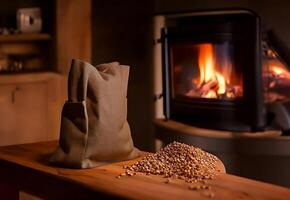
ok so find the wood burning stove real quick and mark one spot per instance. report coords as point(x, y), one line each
point(213, 74)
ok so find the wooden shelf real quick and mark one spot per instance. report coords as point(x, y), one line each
point(267, 143)
point(210, 133)
point(24, 37)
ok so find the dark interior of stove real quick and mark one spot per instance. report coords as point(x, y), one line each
point(223, 70)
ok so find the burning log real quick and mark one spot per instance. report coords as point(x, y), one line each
point(206, 87)
point(276, 83)
point(233, 91)
point(209, 90)
point(212, 81)
point(203, 90)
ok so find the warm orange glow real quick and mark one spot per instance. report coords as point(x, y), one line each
point(277, 79)
point(208, 72)
point(215, 75)
point(279, 71)
point(206, 63)
point(221, 84)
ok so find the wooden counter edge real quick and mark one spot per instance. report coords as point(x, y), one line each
point(23, 161)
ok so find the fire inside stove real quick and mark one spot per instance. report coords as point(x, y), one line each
point(223, 70)
point(206, 71)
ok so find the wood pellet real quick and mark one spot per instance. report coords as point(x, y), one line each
point(179, 161)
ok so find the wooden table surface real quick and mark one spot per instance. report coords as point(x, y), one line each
point(26, 167)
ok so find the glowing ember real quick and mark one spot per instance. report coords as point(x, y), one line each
point(277, 81)
point(213, 83)
point(279, 71)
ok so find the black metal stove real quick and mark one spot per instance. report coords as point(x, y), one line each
point(216, 73)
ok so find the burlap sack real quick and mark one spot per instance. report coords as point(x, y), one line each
point(94, 127)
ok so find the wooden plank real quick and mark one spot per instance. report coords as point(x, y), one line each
point(73, 32)
point(29, 77)
point(22, 162)
point(25, 37)
point(196, 131)
point(30, 106)
point(16, 101)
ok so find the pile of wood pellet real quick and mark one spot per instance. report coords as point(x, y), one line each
point(178, 161)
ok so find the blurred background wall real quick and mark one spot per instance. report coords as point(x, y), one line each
point(122, 31)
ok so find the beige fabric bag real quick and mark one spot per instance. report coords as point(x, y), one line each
point(94, 127)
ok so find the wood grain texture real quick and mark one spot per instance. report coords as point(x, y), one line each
point(30, 107)
point(73, 32)
point(22, 162)
point(25, 37)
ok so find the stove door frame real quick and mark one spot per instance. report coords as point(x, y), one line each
point(247, 114)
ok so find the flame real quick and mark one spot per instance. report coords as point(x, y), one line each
point(207, 69)
point(211, 95)
point(206, 63)
point(277, 82)
point(221, 83)
point(277, 70)
point(280, 71)
point(216, 78)
point(277, 74)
